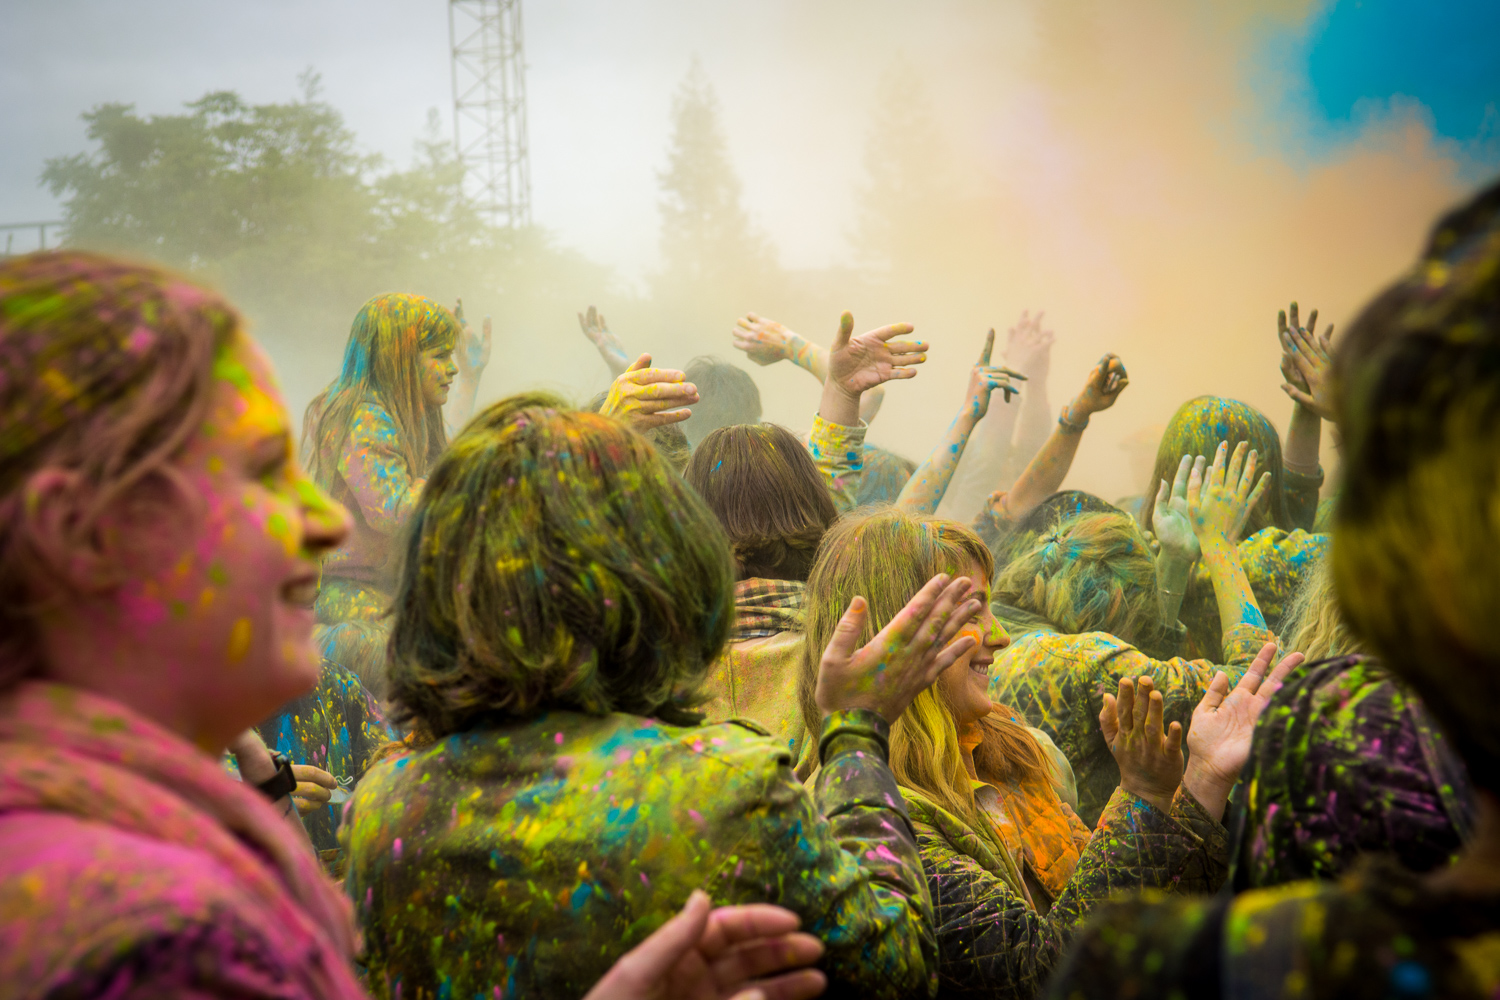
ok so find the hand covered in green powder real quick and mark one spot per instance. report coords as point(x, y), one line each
point(647, 397)
point(731, 953)
point(904, 658)
point(1150, 759)
point(1223, 724)
point(1171, 520)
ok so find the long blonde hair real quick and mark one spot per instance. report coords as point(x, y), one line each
point(886, 557)
point(1314, 623)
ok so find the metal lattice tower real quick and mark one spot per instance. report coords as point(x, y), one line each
point(489, 107)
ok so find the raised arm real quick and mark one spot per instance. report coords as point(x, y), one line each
point(1173, 524)
point(1306, 363)
point(1049, 468)
point(610, 349)
point(924, 490)
point(1218, 508)
point(765, 341)
point(1028, 350)
point(471, 354)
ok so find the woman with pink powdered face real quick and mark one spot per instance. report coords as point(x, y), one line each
point(159, 551)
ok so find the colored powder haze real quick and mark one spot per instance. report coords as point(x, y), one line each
point(1159, 176)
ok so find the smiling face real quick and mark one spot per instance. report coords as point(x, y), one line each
point(965, 685)
point(210, 629)
point(438, 372)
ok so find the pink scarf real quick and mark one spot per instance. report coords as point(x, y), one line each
point(64, 750)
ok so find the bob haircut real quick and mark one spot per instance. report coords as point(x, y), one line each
point(1418, 522)
point(106, 370)
point(886, 556)
point(1197, 428)
point(382, 364)
point(1094, 573)
point(761, 483)
point(727, 395)
point(554, 562)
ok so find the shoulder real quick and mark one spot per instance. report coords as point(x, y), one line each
point(70, 888)
point(1053, 651)
point(370, 417)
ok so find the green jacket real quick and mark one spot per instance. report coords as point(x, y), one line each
point(524, 858)
point(992, 943)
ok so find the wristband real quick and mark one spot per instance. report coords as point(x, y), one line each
point(283, 782)
point(1067, 425)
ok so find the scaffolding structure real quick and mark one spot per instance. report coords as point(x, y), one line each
point(489, 107)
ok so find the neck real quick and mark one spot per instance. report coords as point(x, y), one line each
point(1477, 870)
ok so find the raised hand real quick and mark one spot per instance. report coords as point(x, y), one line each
point(1229, 492)
point(906, 656)
point(870, 359)
point(647, 397)
point(1028, 347)
point(985, 379)
point(763, 340)
point(734, 952)
point(1106, 381)
point(1150, 759)
point(1307, 362)
point(1223, 724)
point(472, 353)
point(610, 349)
point(1171, 520)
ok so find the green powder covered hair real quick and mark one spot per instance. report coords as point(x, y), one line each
point(555, 561)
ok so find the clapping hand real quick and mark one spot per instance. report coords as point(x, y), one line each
point(904, 658)
point(985, 379)
point(1307, 362)
point(647, 397)
point(751, 952)
point(1150, 758)
point(1223, 725)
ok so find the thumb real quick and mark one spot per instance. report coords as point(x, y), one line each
point(644, 361)
point(846, 634)
point(846, 331)
point(654, 957)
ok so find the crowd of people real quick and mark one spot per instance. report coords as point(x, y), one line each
point(650, 698)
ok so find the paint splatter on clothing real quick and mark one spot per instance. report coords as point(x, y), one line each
point(756, 677)
point(1275, 561)
point(341, 600)
point(336, 726)
point(1058, 682)
point(373, 482)
point(523, 859)
point(1345, 761)
point(839, 453)
point(132, 866)
point(994, 942)
point(1380, 932)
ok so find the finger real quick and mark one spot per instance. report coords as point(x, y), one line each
point(1326, 341)
point(763, 956)
point(1161, 494)
point(942, 622)
point(307, 772)
point(1312, 322)
point(1125, 710)
point(1292, 322)
point(1298, 395)
point(1247, 477)
point(1143, 691)
point(1155, 706)
point(1217, 691)
point(804, 984)
point(1236, 468)
point(1259, 492)
point(1109, 723)
point(1010, 373)
point(1216, 470)
point(1184, 469)
point(947, 656)
point(1173, 742)
point(731, 925)
point(640, 364)
point(900, 347)
point(907, 372)
point(648, 421)
point(1273, 683)
point(989, 347)
point(650, 960)
point(1195, 481)
point(658, 383)
point(847, 632)
point(1256, 672)
point(489, 330)
point(885, 333)
point(846, 331)
point(309, 792)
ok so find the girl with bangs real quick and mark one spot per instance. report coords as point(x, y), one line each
point(1010, 867)
point(371, 436)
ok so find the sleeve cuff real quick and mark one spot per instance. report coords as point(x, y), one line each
point(1242, 643)
point(855, 729)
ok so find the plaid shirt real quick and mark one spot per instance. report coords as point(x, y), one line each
point(764, 608)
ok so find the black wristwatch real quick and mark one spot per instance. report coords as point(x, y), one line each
point(283, 782)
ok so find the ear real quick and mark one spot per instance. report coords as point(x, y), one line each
point(72, 555)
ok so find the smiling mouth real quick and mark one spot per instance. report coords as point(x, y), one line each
point(301, 592)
